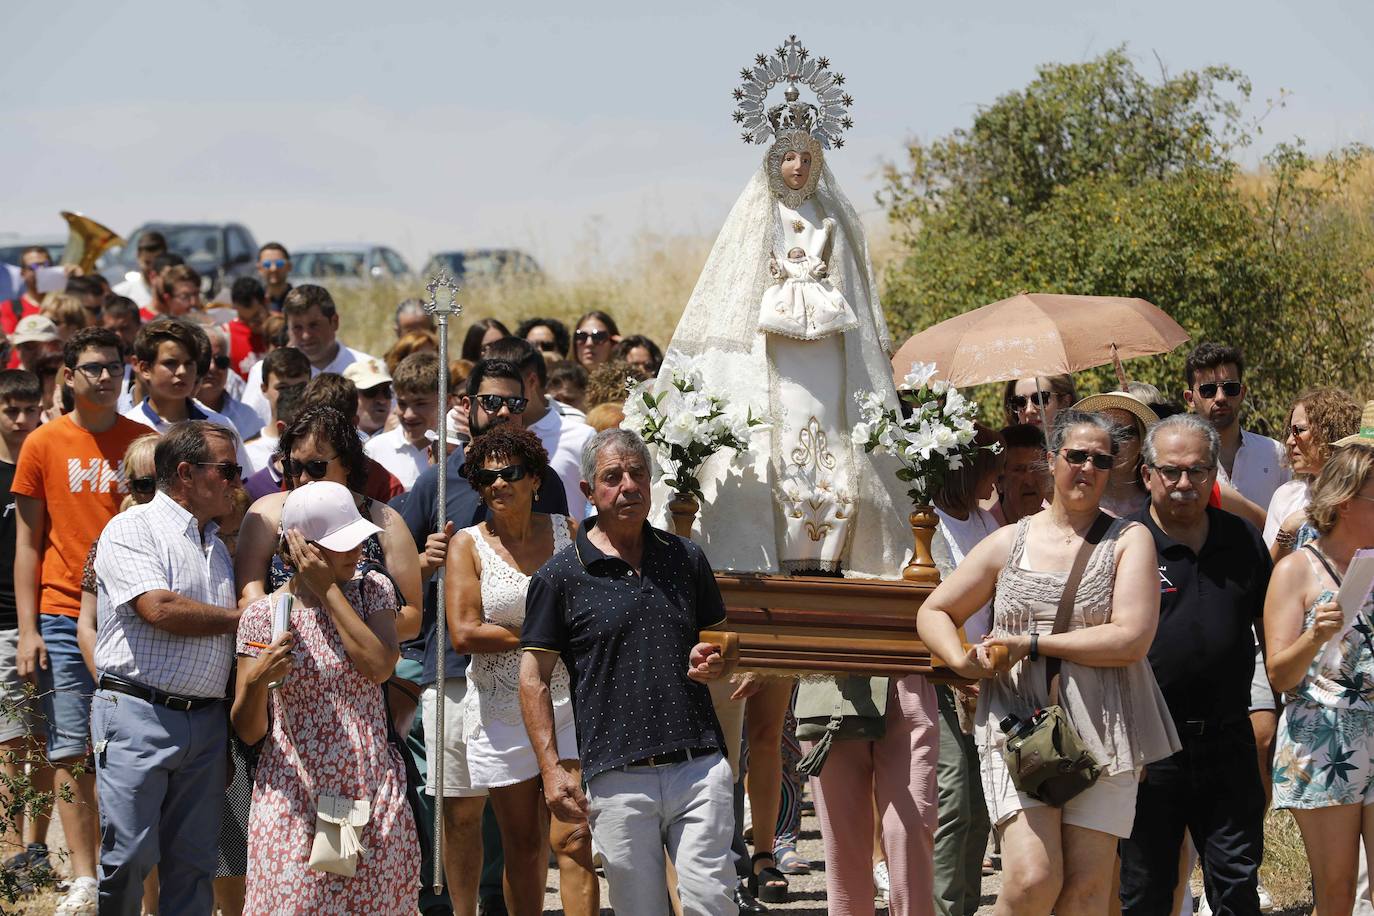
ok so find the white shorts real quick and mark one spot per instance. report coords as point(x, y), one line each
point(457, 781)
point(1108, 805)
point(1261, 694)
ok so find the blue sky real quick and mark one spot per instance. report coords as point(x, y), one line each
point(428, 125)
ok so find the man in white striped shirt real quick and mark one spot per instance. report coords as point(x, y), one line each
point(166, 618)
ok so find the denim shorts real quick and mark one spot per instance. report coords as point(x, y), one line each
point(18, 717)
point(66, 687)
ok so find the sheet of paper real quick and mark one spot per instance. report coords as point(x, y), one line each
point(1355, 589)
point(51, 279)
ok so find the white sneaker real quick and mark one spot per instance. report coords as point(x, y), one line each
point(1265, 901)
point(881, 883)
point(81, 900)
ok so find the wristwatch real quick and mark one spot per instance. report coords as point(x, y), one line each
point(1035, 647)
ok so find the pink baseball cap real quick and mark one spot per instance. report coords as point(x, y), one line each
point(324, 513)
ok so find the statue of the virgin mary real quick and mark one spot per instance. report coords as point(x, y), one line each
point(786, 313)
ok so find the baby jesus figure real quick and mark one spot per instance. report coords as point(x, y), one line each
point(802, 302)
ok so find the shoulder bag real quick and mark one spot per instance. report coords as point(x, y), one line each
point(840, 708)
point(1045, 756)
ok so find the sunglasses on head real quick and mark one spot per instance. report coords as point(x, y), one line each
point(1040, 399)
point(1209, 389)
point(491, 403)
point(227, 469)
point(315, 469)
point(277, 263)
point(143, 485)
point(1080, 456)
point(485, 477)
point(593, 336)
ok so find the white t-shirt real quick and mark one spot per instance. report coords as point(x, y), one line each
point(259, 452)
point(145, 414)
point(960, 536)
point(252, 389)
point(1289, 498)
point(1258, 470)
point(395, 453)
point(135, 287)
point(564, 437)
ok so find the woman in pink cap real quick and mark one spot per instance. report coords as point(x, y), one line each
point(327, 722)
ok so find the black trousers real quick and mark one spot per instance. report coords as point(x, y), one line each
point(1211, 789)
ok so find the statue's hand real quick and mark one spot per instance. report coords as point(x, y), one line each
point(774, 269)
point(822, 270)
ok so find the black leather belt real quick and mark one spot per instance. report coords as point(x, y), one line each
point(1196, 728)
point(670, 757)
point(157, 697)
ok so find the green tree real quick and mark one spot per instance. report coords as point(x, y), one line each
point(1094, 180)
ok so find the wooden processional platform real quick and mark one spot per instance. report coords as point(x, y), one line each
point(791, 625)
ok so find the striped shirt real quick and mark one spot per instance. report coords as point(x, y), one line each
point(155, 547)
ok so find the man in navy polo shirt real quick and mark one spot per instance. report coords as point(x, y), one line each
point(1213, 573)
point(624, 607)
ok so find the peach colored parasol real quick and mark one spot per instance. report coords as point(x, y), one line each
point(1034, 334)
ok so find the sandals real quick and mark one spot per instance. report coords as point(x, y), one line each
point(767, 884)
point(790, 862)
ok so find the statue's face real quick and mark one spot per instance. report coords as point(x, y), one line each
point(796, 169)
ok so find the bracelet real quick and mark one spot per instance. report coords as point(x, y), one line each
point(1035, 647)
point(1285, 538)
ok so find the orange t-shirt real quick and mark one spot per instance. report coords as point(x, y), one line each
point(79, 477)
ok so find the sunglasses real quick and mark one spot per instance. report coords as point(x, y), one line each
point(1040, 399)
point(545, 346)
point(227, 469)
point(491, 403)
point(277, 263)
point(1080, 456)
point(1172, 474)
point(1209, 389)
point(94, 371)
point(143, 485)
point(221, 362)
point(593, 336)
point(485, 477)
point(38, 265)
point(315, 469)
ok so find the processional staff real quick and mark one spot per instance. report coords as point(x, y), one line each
point(442, 304)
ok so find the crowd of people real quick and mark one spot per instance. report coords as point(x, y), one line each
point(227, 551)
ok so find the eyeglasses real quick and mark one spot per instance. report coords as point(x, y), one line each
point(1173, 474)
point(94, 371)
point(593, 336)
point(485, 477)
point(38, 265)
point(1297, 431)
point(143, 485)
point(221, 362)
point(315, 469)
point(275, 263)
point(1040, 399)
point(1209, 389)
point(491, 403)
point(545, 346)
point(227, 469)
point(1080, 456)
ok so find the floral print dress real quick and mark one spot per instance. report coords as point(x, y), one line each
point(1324, 748)
point(336, 721)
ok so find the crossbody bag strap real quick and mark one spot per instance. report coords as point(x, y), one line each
point(1070, 594)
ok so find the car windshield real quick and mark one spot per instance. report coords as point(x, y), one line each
point(199, 245)
point(326, 264)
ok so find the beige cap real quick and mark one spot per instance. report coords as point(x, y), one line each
point(367, 373)
point(34, 329)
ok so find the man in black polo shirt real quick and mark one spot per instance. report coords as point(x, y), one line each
point(624, 606)
point(1213, 572)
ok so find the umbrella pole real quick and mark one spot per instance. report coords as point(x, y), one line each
point(442, 304)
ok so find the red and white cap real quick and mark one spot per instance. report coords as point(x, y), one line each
point(325, 514)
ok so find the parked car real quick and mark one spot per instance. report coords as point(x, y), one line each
point(485, 265)
point(349, 264)
point(220, 252)
point(12, 247)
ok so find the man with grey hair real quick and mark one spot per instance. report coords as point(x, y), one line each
point(411, 316)
point(624, 607)
point(1213, 573)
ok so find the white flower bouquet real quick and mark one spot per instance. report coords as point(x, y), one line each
point(685, 423)
point(935, 439)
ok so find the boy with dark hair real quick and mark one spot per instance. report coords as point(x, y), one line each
point(158, 306)
point(274, 266)
point(68, 483)
point(21, 395)
point(28, 302)
point(282, 369)
point(404, 451)
point(247, 337)
point(170, 355)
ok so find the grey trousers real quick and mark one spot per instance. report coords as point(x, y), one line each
point(687, 807)
point(961, 837)
point(159, 778)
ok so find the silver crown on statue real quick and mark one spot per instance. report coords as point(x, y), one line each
point(792, 64)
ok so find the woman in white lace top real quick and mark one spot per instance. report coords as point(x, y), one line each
point(489, 568)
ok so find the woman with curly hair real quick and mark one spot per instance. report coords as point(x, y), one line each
point(1318, 417)
point(488, 571)
point(548, 335)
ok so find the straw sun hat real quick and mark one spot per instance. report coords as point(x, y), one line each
point(1120, 400)
point(1366, 434)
